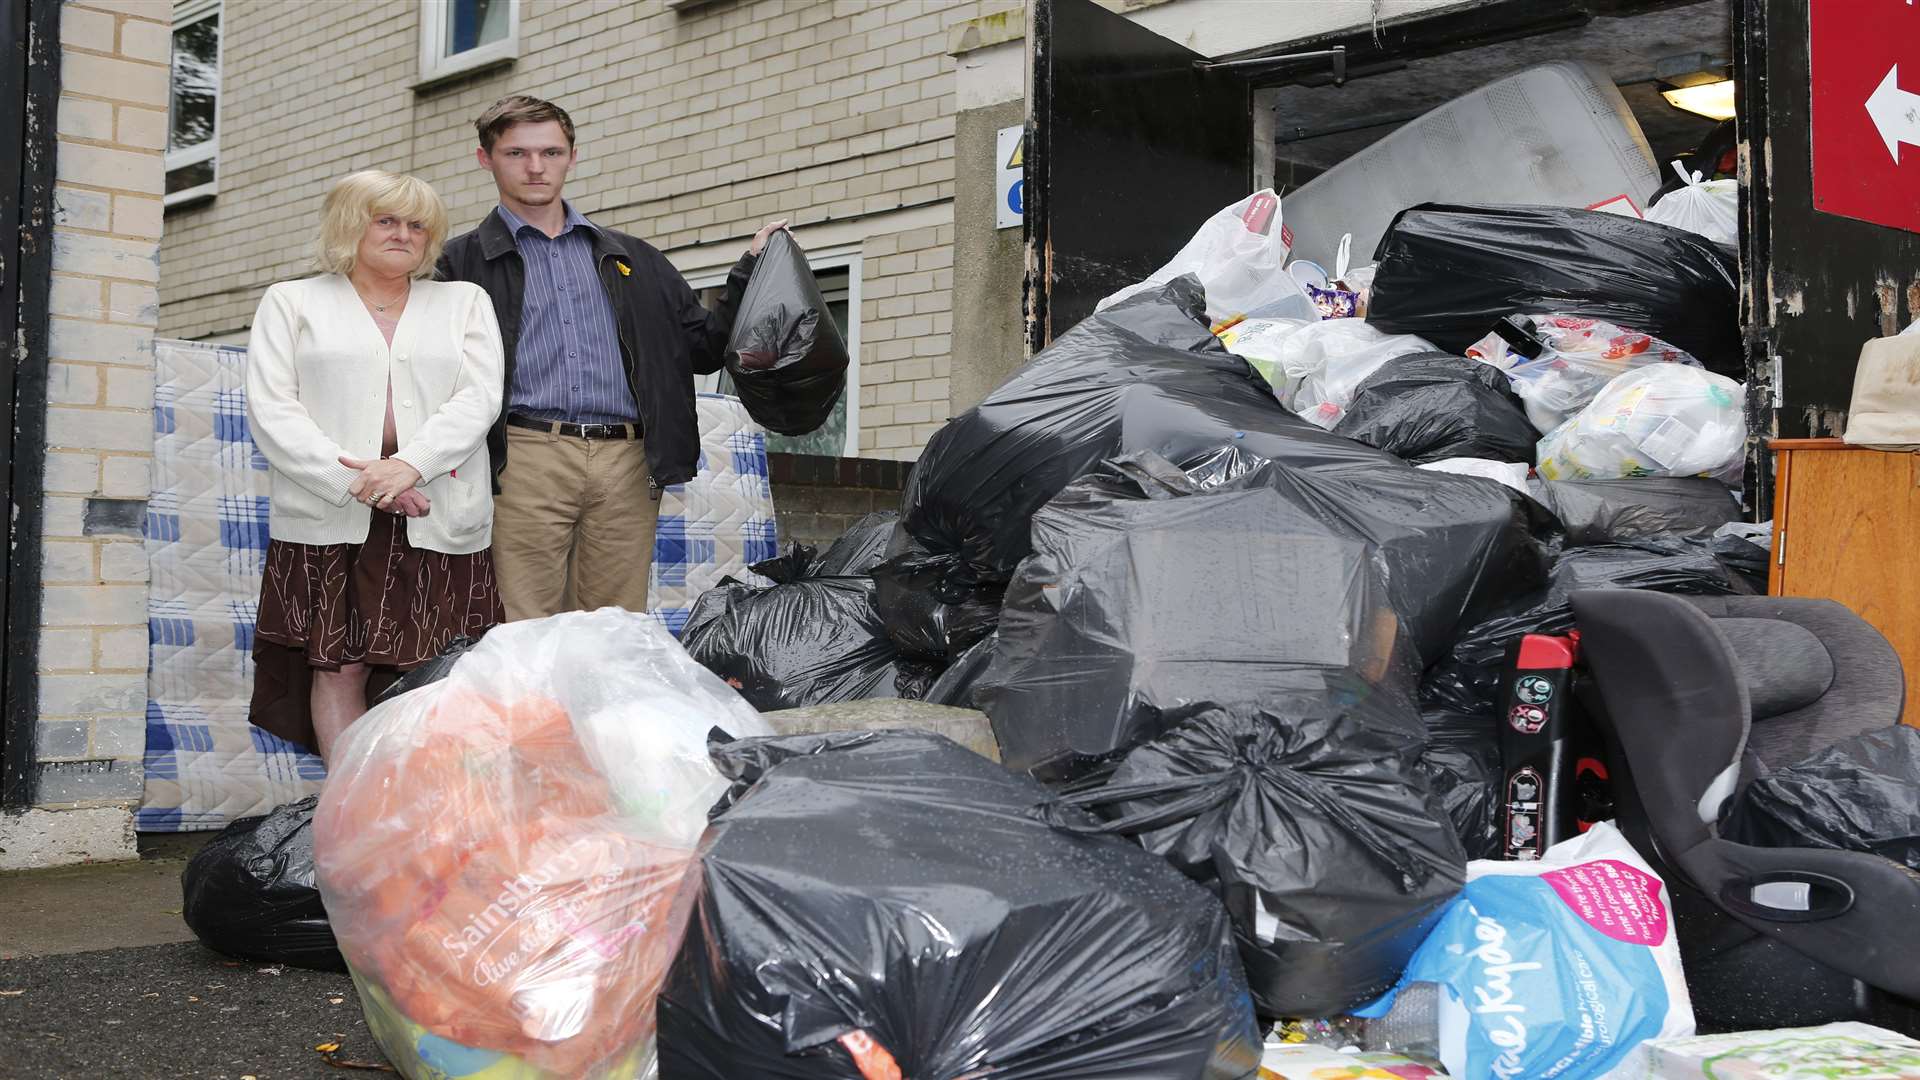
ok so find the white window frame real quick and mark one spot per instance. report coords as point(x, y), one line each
point(845, 257)
point(186, 13)
point(436, 65)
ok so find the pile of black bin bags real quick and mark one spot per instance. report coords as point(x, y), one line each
point(1265, 652)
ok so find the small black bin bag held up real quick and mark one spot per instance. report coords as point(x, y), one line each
point(890, 899)
point(786, 357)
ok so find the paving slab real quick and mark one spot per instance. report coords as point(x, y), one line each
point(968, 727)
point(98, 906)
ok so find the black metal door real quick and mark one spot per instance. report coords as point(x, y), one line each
point(1817, 285)
point(1129, 148)
point(29, 95)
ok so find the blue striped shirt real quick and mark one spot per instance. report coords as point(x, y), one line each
point(567, 363)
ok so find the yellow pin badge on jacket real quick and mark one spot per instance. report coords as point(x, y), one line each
point(625, 270)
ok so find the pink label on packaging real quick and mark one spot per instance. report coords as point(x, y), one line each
point(1614, 898)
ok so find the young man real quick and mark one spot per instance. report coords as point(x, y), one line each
point(603, 338)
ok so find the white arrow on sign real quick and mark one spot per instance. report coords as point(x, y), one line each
point(1895, 113)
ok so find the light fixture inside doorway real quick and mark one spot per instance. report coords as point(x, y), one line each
point(1696, 83)
point(1713, 100)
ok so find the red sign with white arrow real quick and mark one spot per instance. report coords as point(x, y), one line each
point(1866, 109)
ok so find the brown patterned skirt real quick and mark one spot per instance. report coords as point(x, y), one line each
point(384, 603)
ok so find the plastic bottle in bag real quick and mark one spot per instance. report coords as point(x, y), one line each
point(1663, 420)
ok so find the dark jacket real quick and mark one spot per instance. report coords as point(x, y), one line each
point(666, 337)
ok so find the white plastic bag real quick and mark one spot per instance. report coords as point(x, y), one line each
point(499, 852)
point(1559, 968)
point(1511, 473)
point(1708, 207)
point(1663, 420)
point(1577, 356)
point(1258, 341)
point(1328, 360)
point(1240, 255)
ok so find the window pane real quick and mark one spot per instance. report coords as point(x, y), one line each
point(190, 176)
point(196, 82)
point(473, 23)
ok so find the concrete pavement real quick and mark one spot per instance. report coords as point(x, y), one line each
point(100, 979)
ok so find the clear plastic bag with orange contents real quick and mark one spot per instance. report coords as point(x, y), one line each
point(500, 852)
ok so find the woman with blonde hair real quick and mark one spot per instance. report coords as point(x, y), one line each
point(370, 389)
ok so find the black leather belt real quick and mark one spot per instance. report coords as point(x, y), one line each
point(577, 431)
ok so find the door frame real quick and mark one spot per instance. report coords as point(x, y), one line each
point(29, 104)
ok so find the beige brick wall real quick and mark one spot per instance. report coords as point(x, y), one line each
point(906, 335)
point(694, 127)
point(105, 302)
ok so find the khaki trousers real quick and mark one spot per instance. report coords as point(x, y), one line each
point(572, 525)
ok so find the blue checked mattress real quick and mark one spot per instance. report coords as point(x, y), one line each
point(206, 538)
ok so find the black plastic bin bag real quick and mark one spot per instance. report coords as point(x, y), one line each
point(1325, 843)
point(1449, 273)
point(812, 637)
point(1859, 794)
point(430, 672)
point(1145, 375)
point(861, 548)
point(1466, 680)
point(933, 608)
point(891, 904)
point(1463, 766)
point(1432, 406)
point(786, 357)
point(1640, 508)
point(956, 684)
point(250, 892)
point(1147, 597)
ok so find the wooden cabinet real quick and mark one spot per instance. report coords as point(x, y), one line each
point(1846, 527)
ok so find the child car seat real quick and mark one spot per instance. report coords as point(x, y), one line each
point(1696, 697)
